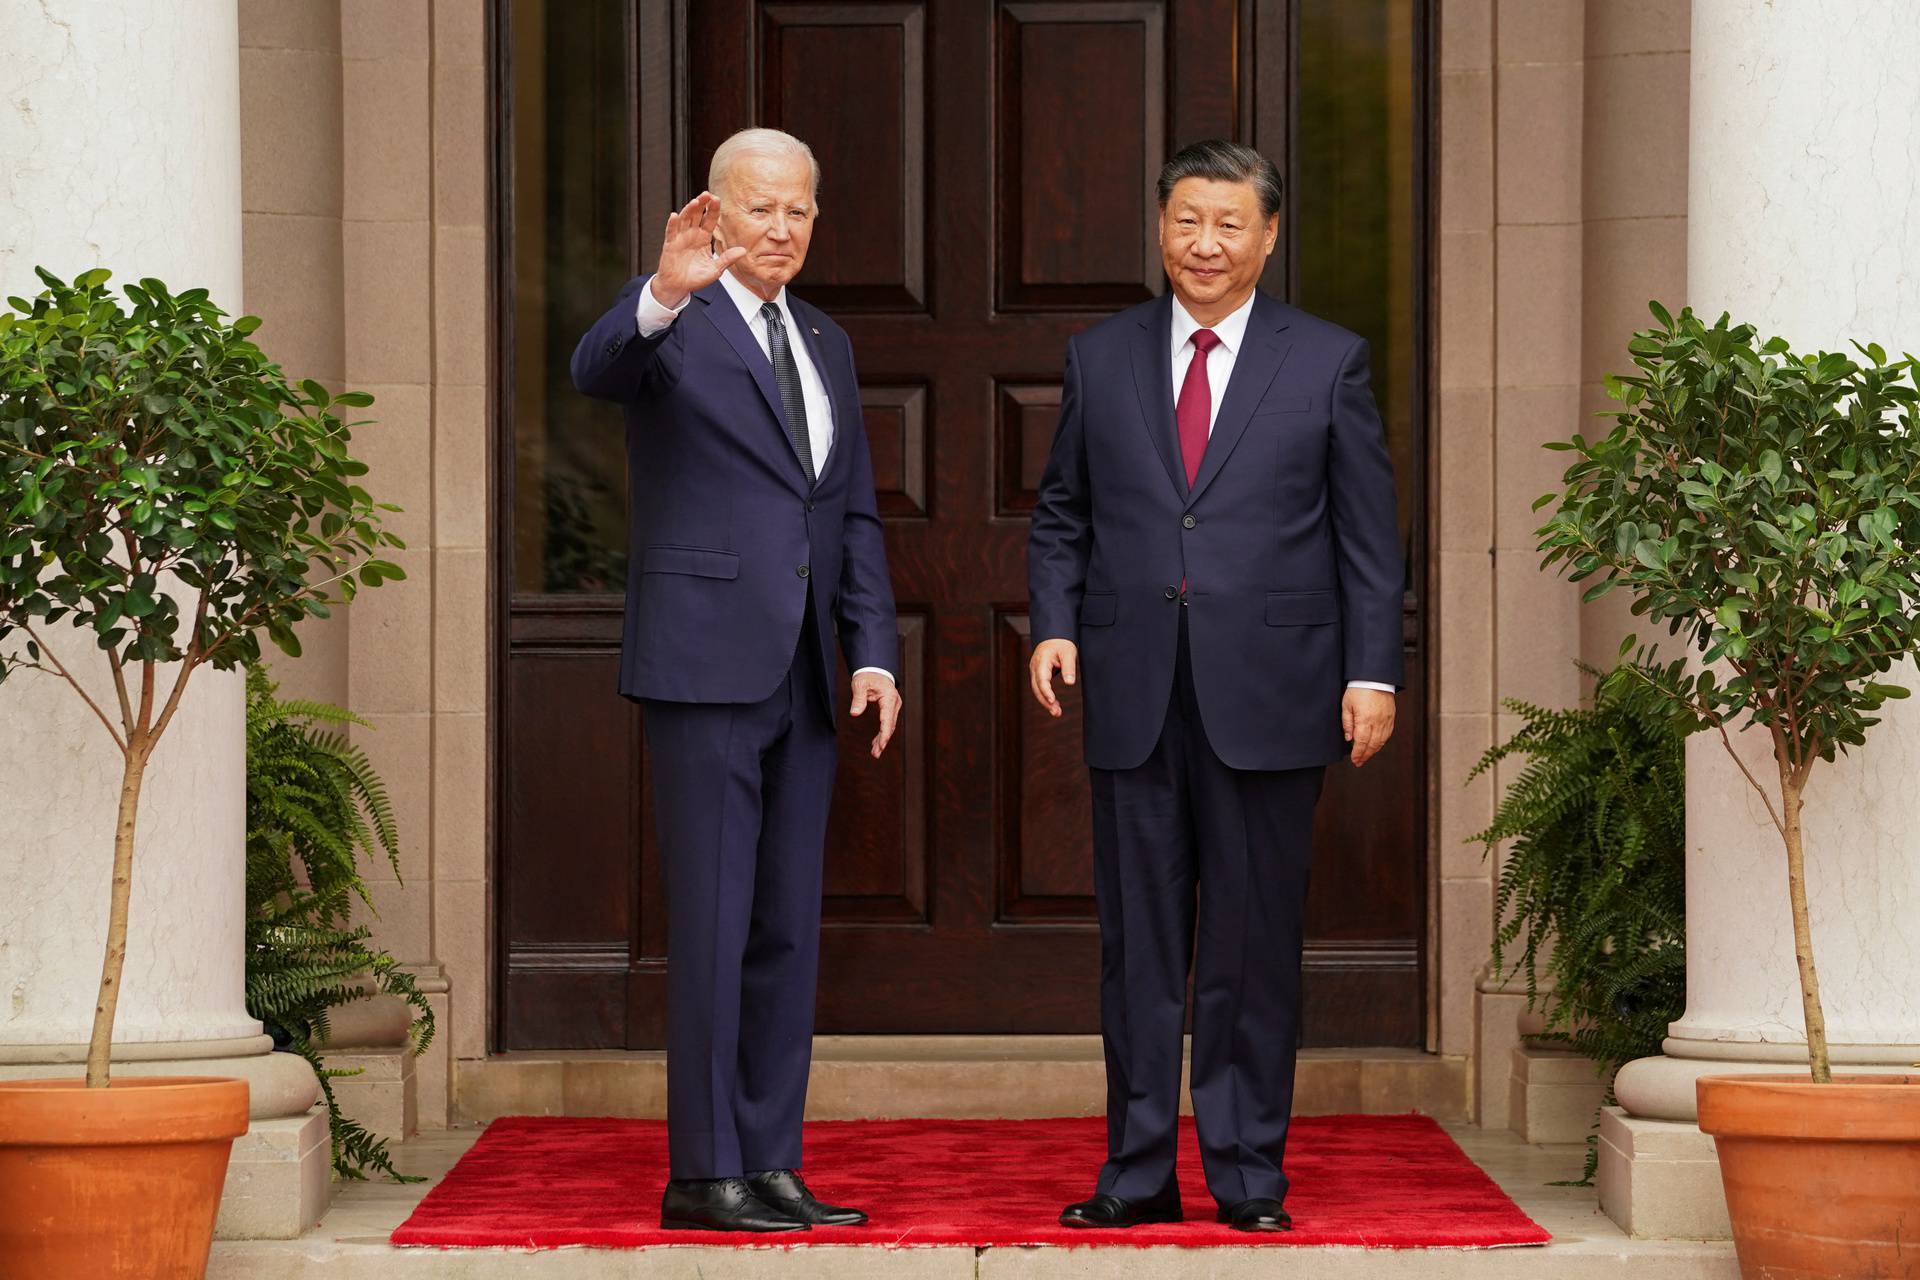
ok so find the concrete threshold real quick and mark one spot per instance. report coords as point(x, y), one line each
point(350, 1243)
point(957, 1077)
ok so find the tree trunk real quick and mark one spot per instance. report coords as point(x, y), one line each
point(1792, 798)
point(100, 1048)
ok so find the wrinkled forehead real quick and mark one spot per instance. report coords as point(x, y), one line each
point(1212, 197)
point(757, 180)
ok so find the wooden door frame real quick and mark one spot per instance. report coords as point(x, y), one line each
point(656, 75)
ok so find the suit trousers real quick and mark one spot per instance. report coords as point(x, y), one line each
point(1196, 861)
point(741, 794)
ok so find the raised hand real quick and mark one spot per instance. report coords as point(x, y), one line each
point(687, 260)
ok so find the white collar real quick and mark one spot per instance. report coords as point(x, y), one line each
point(749, 303)
point(1231, 329)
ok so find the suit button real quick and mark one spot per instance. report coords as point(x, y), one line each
point(809, 506)
point(803, 571)
point(1173, 593)
point(1187, 522)
point(613, 348)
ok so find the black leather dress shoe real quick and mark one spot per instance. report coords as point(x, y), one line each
point(782, 1191)
point(719, 1204)
point(1111, 1211)
point(1256, 1215)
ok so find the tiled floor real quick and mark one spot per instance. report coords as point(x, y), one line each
point(350, 1244)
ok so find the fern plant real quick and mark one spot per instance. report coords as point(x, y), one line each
point(314, 806)
point(1591, 902)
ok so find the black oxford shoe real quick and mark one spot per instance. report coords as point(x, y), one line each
point(782, 1191)
point(1111, 1211)
point(1256, 1215)
point(719, 1204)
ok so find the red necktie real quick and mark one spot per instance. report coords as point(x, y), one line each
point(1195, 404)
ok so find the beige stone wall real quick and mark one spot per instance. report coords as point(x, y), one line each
point(1562, 210)
point(365, 172)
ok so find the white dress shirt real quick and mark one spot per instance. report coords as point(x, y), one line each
point(1232, 332)
point(652, 316)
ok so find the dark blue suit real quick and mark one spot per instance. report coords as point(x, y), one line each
point(741, 575)
point(1212, 714)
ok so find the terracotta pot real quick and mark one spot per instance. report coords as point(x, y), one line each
point(1822, 1180)
point(117, 1182)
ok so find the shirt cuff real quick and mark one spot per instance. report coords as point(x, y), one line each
point(652, 315)
point(879, 671)
point(1371, 684)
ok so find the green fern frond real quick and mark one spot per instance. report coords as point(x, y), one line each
point(315, 807)
point(1590, 904)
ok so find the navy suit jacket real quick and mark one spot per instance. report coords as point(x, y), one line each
point(1287, 540)
point(726, 536)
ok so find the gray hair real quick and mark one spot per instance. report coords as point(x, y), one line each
point(770, 144)
point(1218, 160)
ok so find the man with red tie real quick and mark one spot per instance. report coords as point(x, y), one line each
point(1219, 569)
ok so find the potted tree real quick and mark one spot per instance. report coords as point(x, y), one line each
point(166, 497)
point(1765, 508)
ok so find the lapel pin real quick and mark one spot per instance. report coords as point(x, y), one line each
point(816, 332)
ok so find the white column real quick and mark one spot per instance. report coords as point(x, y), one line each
point(121, 138)
point(1803, 218)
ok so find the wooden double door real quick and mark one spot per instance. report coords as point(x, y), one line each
point(988, 192)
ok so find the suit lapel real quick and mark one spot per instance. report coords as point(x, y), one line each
point(1263, 350)
point(726, 318)
point(1153, 383)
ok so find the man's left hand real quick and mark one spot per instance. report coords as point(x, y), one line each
point(1366, 717)
point(870, 686)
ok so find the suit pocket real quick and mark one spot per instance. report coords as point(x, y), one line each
point(1098, 608)
point(1301, 608)
point(1283, 404)
point(697, 561)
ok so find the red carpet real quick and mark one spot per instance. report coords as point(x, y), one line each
point(1393, 1182)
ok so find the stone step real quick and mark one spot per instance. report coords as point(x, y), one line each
point(349, 1261)
point(887, 1077)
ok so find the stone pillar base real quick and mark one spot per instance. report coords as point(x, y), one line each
point(1553, 1095)
point(370, 1036)
point(433, 1070)
point(1496, 1013)
point(383, 1096)
point(1661, 1178)
point(279, 1181)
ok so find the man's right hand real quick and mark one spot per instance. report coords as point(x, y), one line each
point(1050, 656)
point(688, 262)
